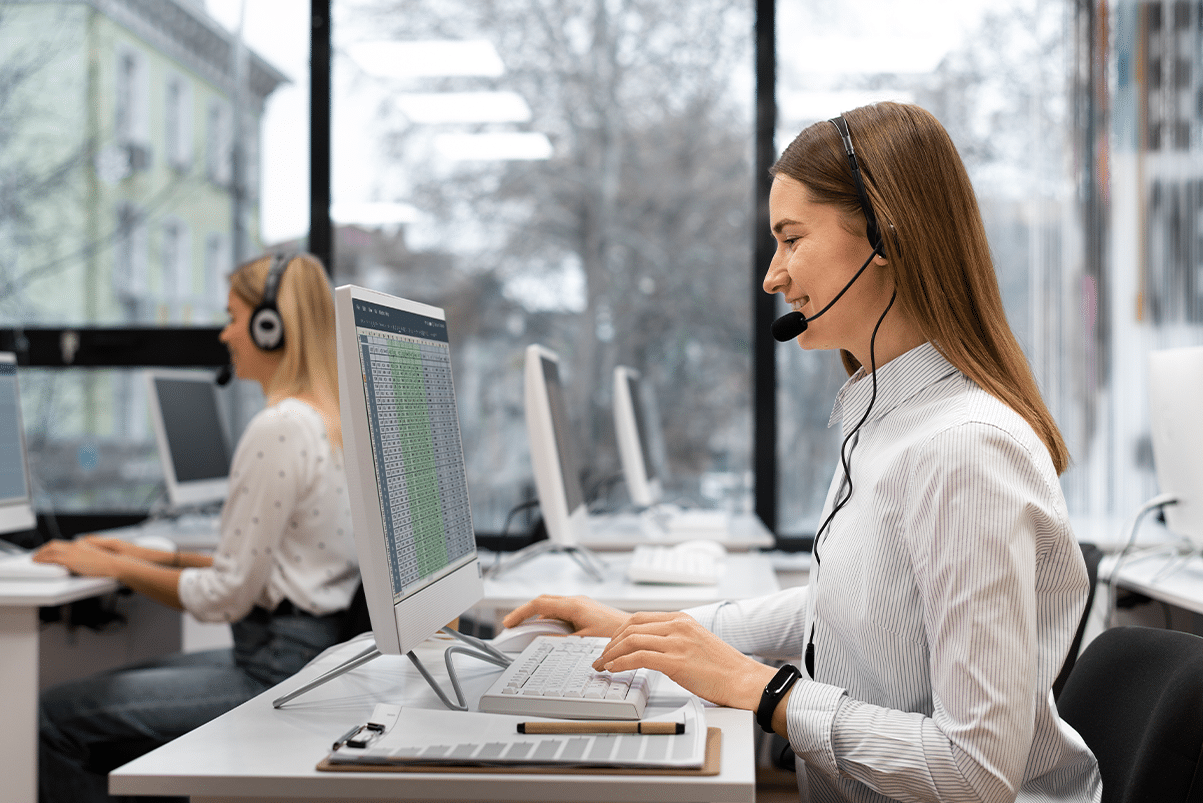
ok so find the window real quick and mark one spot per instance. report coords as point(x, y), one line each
point(218, 143)
point(584, 184)
point(130, 264)
point(177, 123)
point(176, 293)
point(132, 113)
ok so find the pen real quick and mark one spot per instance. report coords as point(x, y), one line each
point(662, 728)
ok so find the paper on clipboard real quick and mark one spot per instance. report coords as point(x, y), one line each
point(470, 738)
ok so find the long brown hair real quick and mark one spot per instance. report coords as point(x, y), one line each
point(308, 361)
point(935, 243)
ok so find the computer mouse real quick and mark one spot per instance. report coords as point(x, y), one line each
point(515, 639)
point(702, 545)
point(152, 541)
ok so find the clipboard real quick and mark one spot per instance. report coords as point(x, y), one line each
point(711, 765)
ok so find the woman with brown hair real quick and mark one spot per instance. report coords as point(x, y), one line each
point(946, 584)
point(284, 570)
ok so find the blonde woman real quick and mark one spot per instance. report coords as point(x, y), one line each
point(284, 571)
point(947, 584)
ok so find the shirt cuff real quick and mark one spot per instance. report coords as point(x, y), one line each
point(810, 714)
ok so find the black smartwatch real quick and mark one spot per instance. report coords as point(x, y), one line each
point(778, 687)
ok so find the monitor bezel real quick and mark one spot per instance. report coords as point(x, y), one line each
point(17, 513)
point(397, 627)
point(191, 493)
point(564, 526)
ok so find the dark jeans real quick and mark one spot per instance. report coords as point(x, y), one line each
point(91, 726)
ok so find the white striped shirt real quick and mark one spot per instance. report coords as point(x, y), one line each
point(946, 595)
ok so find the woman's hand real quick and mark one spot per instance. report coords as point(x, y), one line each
point(693, 657)
point(587, 617)
point(80, 557)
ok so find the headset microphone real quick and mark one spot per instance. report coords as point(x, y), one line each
point(792, 324)
point(224, 374)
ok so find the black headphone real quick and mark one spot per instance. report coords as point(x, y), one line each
point(871, 229)
point(266, 325)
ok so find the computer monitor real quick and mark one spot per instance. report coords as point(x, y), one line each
point(1175, 388)
point(635, 431)
point(16, 500)
point(553, 449)
point(553, 455)
point(406, 476)
point(192, 436)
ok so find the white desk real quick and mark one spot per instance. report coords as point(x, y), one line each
point(1180, 585)
point(625, 532)
point(748, 574)
point(256, 752)
point(19, 603)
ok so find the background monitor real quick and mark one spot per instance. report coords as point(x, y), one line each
point(405, 466)
point(1175, 388)
point(16, 502)
point(552, 449)
point(635, 430)
point(193, 440)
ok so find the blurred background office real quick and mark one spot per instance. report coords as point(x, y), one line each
point(590, 175)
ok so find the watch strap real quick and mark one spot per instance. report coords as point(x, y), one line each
point(777, 688)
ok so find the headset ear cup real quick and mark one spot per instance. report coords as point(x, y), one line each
point(267, 329)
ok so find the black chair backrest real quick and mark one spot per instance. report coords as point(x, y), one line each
point(356, 619)
point(1092, 555)
point(1136, 697)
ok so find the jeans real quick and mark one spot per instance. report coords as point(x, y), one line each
point(91, 726)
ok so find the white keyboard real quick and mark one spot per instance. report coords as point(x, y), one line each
point(554, 677)
point(21, 567)
point(674, 565)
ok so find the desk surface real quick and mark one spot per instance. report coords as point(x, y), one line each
point(257, 752)
point(748, 574)
point(50, 592)
point(1168, 578)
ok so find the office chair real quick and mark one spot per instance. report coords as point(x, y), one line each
point(356, 620)
point(1136, 697)
point(1091, 554)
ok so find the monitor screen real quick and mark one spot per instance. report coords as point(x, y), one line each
point(553, 448)
point(191, 435)
point(632, 428)
point(16, 505)
point(405, 466)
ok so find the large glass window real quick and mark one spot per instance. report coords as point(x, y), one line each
point(998, 76)
point(574, 174)
point(128, 149)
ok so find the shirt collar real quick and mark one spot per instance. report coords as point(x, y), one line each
point(898, 380)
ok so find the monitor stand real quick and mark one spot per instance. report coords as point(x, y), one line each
point(476, 649)
point(586, 558)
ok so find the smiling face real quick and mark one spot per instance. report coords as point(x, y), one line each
point(818, 252)
point(249, 361)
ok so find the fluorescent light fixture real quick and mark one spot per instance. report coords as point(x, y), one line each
point(372, 214)
point(427, 59)
point(463, 107)
point(494, 146)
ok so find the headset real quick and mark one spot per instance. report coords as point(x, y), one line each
point(266, 325)
point(794, 323)
point(872, 231)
